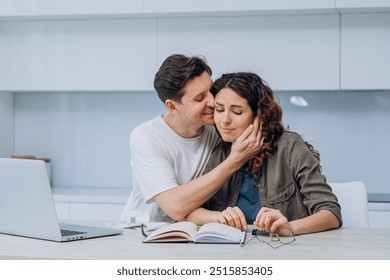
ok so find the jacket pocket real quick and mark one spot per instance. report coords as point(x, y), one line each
point(283, 195)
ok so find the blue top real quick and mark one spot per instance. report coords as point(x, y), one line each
point(248, 199)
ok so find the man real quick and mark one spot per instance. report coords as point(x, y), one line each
point(169, 152)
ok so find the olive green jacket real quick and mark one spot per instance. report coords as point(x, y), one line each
point(290, 181)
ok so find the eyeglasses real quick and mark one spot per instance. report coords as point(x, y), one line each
point(274, 240)
point(143, 230)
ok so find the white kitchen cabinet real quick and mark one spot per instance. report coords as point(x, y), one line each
point(365, 51)
point(289, 52)
point(89, 211)
point(78, 55)
point(292, 52)
point(27, 9)
point(44, 9)
point(294, 46)
point(62, 209)
point(174, 7)
point(73, 9)
point(95, 211)
point(96, 204)
point(379, 214)
point(354, 6)
point(106, 204)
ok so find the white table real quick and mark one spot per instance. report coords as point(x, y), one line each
point(331, 245)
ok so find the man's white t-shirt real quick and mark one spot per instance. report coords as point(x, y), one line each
point(161, 160)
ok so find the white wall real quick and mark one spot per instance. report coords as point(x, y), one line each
point(350, 131)
point(86, 134)
point(6, 124)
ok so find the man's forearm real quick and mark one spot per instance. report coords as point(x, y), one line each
point(181, 201)
point(201, 216)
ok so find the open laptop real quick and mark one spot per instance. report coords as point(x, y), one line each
point(27, 205)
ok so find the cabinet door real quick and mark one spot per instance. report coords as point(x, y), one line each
point(290, 52)
point(379, 214)
point(379, 219)
point(62, 209)
point(39, 9)
point(365, 51)
point(353, 6)
point(246, 6)
point(78, 55)
point(95, 211)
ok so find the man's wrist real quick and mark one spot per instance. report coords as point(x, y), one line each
point(231, 165)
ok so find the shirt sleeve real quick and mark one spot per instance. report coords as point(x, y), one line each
point(152, 170)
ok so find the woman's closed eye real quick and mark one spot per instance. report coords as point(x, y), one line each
point(221, 110)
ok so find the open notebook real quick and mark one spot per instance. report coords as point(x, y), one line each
point(27, 206)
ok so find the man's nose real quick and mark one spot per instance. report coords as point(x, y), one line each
point(210, 100)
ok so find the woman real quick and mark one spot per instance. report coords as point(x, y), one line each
point(280, 188)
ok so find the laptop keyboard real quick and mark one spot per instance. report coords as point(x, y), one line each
point(67, 232)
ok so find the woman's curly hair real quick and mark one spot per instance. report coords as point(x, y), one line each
point(262, 101)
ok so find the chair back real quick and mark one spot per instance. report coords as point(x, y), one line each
point(352, 197)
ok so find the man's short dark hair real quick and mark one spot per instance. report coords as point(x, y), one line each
point(175, 72)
